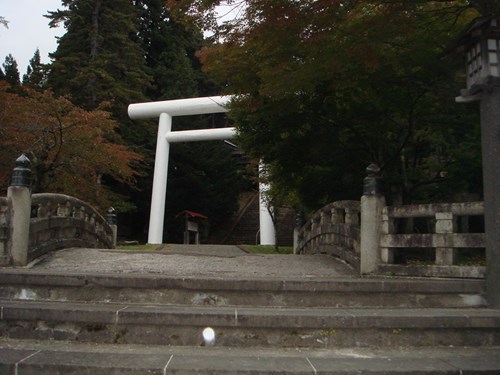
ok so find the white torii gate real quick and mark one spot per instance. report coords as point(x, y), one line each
point(165, 110)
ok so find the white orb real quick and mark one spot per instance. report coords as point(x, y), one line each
point(209, 336)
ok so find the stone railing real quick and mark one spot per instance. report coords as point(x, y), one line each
point(371, 236)
point(334, 230)
point(59, 221)
point(443, 229)
point(32, 225)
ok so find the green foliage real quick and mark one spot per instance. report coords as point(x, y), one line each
point(267, 249)
point(328, 87)
point(11, 71)
point(169, 51)
point(202, 178)
point(98, 59)
point(117, 52)
point(36, 75)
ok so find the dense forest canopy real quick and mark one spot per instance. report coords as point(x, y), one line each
point(70, 116)
point(323, 87)
point(327, 87)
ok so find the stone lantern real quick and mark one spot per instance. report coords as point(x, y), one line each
point(481, 45)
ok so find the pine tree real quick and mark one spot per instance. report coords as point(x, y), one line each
point(35, 76)
point(170, 52)
point(111, 52)
point(98, 60)
point(202, 176)
point(11, 71)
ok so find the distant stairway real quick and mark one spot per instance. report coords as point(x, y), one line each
point(56, 323)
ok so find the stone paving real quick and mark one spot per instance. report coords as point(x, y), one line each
point(212, 265)
point(195, 261)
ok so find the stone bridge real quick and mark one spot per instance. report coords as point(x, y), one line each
point(370, 236)
point(33, 224)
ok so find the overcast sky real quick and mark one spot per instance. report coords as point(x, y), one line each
point(28, 30)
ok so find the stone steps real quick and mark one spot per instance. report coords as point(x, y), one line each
point(248, 326)
point(30, 358)
point(158, 289)
point(92, 323)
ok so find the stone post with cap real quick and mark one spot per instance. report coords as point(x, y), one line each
point(113, 223)
point(372, 203)
point(19, 198)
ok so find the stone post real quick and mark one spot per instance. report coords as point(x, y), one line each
point(299, 222)
point(113, 223)
point(387, 227)
point(490, 136)
point(372, 203)
point(445, 224)
point(19, 198)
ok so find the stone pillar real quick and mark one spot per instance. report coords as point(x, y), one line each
point(372, 203)
point(490, 136)
point(299, 223)
point(113, 223)
point(19, 198)
point(445, 224)
point(387, 227)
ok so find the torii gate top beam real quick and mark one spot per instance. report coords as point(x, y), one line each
point(180, 107)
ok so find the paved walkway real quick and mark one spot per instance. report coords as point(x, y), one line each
point(217, 261)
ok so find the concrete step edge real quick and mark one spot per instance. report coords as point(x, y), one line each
point(28, 357)
point(347, 285)
point(241, 317)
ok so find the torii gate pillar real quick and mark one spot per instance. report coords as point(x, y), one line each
point(165, 110)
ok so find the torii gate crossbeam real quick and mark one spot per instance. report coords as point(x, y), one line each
point(165, 110)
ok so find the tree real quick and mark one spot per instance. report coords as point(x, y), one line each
point(35, 76)
point(11, 71)
point(325, 88)
point(202, 177)
point(98, 58)
point(169, 48)
point(4, 22)
point(126, 51)
point(70, 149)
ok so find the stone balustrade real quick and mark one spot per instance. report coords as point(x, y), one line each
point(60, 221)
point(335, 230)
point(368, 236)
point(445, 230)
point(33, 224)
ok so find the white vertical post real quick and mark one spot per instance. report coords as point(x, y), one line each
point(157, 213)
point(267, 230)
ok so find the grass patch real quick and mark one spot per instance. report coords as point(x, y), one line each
point(267, 249)
point(145, 247)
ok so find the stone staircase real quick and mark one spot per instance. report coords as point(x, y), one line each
point(61, 323)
